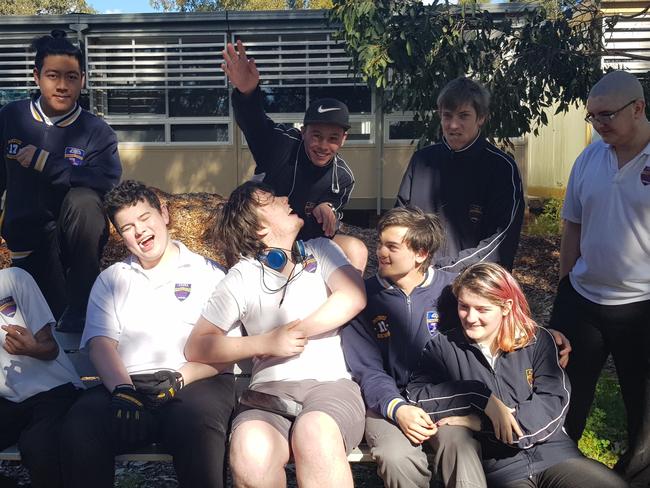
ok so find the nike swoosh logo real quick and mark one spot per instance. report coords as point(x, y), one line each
point(322, 110)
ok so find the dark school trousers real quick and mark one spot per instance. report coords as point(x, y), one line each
point(595, 331)
point(35, 424)
point(66, 263)
point(192, 427)
point(572, 473)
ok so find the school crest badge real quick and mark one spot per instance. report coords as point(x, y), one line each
point(645, 176)
point(529, 377)
point(310, 264)
point(309, 207)
point(182, 291)
point(74, 155)
point(475, 213)
point(8, 306)
point(432, 320)
point(381, 326)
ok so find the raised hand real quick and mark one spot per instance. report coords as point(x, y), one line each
point(241, 70)
point(503, 420)
point(415, 423)
point(286, 341)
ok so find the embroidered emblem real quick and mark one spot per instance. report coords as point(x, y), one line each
point(13, 146)
point(645, 176)
point(74, 155)
point(182, 290)
point(475, 213)
point(432, 320)
point(381, 327)
point(310, 264)
point(309, 206)
point(8, 306)
point(529, 377)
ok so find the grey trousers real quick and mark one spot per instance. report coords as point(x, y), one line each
point(456, 456)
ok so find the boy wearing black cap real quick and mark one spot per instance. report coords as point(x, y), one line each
point(302, 164)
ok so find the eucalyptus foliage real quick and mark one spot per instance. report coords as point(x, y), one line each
point(534, 56)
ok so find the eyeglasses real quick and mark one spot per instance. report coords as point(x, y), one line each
point(606, 117)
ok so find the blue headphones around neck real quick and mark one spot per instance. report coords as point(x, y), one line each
point(276, 258)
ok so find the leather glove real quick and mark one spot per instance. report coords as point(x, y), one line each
point(159, 387)
point(130, 419)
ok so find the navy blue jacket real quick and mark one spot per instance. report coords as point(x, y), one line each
point(80, 150)
point(280, 154)
point(477, 194)
point(529, 379)
point(382, 345)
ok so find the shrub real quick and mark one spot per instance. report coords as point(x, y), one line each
point(549, 221)
point(604, 437)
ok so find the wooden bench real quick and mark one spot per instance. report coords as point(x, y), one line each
point(153, 453)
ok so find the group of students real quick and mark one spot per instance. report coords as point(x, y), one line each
point(438, 348)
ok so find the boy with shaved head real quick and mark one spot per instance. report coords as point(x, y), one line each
point(603, 298)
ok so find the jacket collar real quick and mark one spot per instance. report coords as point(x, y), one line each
point(63, 121)
point(468, 152)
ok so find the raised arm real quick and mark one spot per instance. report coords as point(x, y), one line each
point(242, 71)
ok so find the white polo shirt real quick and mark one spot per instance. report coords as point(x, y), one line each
point(613, 207)
point(22, 303)
point(251, 293)
point(150, 313)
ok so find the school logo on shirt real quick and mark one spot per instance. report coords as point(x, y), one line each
point(13, 146)
point(475, 213)
point(74, 155)
point(381, 327)
point(529, 377)
point(182, 290)
point(310, 264)
point(432, 320)
point(8, 306)
point(309, 207)
point(645, 176)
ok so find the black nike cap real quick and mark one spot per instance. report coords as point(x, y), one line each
point(328, 111)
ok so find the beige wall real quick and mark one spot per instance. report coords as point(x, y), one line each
point(552, 152)
point(544, 160)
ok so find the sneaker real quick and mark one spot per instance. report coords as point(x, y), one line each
point(71, 321)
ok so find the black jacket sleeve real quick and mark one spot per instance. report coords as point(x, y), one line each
point(365, 362)
point(544, 411)
point(438, 395)
point(271, 144)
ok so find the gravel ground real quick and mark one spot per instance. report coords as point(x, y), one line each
point(536, 268)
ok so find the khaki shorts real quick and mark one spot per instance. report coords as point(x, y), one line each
point(339, 399)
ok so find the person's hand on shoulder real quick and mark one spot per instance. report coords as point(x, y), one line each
point(415, 423)
point(241, 70)
point(563, 347)
point(325, 215)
